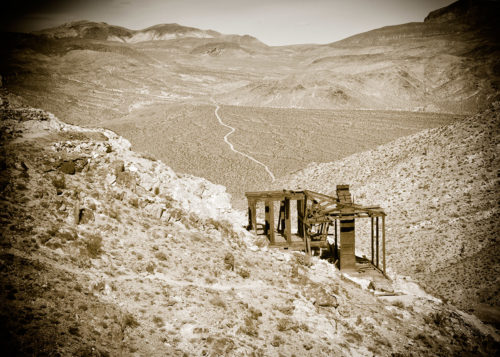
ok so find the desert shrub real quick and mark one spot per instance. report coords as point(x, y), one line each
point(229, 261)
point(158, 321)
point(223, 226)
point(304, 327)
point(217, 301)
point(93, 245)
point(438, 318)
point(399, 304)
point(286, 309)
point(303, 259)
point(221, 346)
point(150, 268)
point(254, 313)
point(353, 337)
point(250, 328)
point(161, 256)
point(67, 235)
point(129, 320)
point(286, 324)
point(113, 213)
point(210, 280)
point(244, 273)
point(277, 340)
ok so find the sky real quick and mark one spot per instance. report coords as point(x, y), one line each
point(274, 22)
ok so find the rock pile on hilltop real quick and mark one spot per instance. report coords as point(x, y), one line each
point(106, 252)
point(440, 188)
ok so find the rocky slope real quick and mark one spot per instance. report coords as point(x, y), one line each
point(106, 252)
point(441, 190)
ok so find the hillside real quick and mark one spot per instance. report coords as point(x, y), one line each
point(107, 252)
point(441, 189)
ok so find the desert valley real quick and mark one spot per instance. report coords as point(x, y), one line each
point(126, 155)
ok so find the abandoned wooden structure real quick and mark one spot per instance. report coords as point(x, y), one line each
point(318, 217)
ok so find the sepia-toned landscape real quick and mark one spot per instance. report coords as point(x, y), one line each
point(126, 155)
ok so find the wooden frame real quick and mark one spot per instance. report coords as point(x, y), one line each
point(316, 214)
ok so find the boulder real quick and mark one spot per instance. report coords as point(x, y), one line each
point(117, 167)
point(86, 216)
point(126, 179)
point(68, 167)
point(381, 285)
point(324, 299)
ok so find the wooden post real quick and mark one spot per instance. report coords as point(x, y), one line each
point(347, 241)
point(336, 242)
point(270, 220)
point(266, 214)
point(300, 218)
point(376, 237)
point(371, 218)
point(252, 216)
point(281, 217)
point(288, 226)
point(250, 223)
point(383, 243)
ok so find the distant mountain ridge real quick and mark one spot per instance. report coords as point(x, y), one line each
point(102, 31)
point(448, 63)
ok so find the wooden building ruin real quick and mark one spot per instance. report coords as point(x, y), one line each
point(323, 223)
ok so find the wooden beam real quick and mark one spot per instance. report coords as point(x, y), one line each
point(308, 245)
point(376, 237)
point(288, 225)
point(372, 236)
point(320, 195)
point(300, 218)
point(336, 241)
point(253, 216)
point(270, 221)
point(281, 218)
point(275, 195)
point(383, 243)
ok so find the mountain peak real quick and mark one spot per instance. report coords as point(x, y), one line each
point(472, 12)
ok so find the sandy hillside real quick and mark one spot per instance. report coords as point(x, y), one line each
point(105, 252)
point(440, 188)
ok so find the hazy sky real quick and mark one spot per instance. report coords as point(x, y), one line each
point(275, 22)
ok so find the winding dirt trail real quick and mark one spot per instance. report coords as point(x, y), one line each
point(232, 147)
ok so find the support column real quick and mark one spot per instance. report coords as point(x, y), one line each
point(300, 218)
point(336, 241)
point(281, 218)
point(383, 243)
point(252, 216)
point(288, 226)
point(347, 242)
point(376, 237)
point(371, 219)
point(270, 221)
